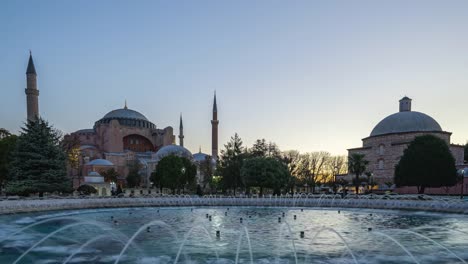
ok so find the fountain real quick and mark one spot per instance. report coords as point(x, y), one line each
point(182, 229)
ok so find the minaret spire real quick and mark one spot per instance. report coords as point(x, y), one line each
point(181, 132)
point(32, 93)
point(125, 106)
point(214, 130)
point(215, 107)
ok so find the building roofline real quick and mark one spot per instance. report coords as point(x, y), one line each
point(408, 132)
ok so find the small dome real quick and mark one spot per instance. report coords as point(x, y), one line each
point(199, 157)
point(100, 162)
point(408, 121)
point(173, 150)
point(124, 113)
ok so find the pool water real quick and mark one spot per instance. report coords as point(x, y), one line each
point(265, 235)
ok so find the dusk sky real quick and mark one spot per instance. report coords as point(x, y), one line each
point(308, 75)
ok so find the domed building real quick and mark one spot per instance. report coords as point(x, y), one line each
point(384, 146)
point(125, 129)
point(119, 138)
point(123, 136)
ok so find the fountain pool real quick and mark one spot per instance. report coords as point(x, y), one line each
point(265, 235)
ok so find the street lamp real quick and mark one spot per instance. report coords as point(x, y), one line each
point(182, 170)
point(463, 172)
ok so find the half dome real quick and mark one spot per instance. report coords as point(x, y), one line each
point(100, 162)
point(173, 150)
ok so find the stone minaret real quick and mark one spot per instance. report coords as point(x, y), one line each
point(32, 93)
point(405, 104)
point(214, 131)
point(181, 132)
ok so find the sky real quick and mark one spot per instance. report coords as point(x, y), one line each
point(308, 75)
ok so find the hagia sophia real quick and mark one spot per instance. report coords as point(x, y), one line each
point(122, 136)
point(125, 135)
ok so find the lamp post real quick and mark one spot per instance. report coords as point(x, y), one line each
point(462, 174)
point(182, 170)
point(335, 172)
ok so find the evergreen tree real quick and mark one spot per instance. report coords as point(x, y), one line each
point(7, 146)
point(259, 148)
point(427, 162)
point(39, 163)
point(230, 163)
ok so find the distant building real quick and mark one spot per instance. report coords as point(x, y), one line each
point(125, 135)
point(384, 146)
point(119, 138)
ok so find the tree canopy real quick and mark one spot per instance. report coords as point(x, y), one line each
point(427, 162)
point(230, 163)
point(265, 172)
point(39, 163)
point(110, 175)
point(133, 176)
point(174, 172)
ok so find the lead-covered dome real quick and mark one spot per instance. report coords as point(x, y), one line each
point(406, 121)
point(173, 150)
point(126, 117)
point(125, 113)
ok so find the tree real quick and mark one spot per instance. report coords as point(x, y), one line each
point(230, 163)
point(39, 163)
point(174, 172)
point(336, 165)
point(265, 173)
point(427, 162)
point(189, 173)
point(259, 148)
point(71, 145)
point(311, 167)
point(291, 158)
point(110, 175)
point(206, 170)
point(7, 146)
point(133, 176)
point(263, 149)
point(4, 133)
point(357, 164)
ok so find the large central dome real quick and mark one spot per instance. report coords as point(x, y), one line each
point(406, 121)
point(125, 113)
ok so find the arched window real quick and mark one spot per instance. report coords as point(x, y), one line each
point(381, 164)
point(381, 149)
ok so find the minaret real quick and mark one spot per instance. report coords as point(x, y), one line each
point(181, 132)
point(214, 131)
point(32, 93)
